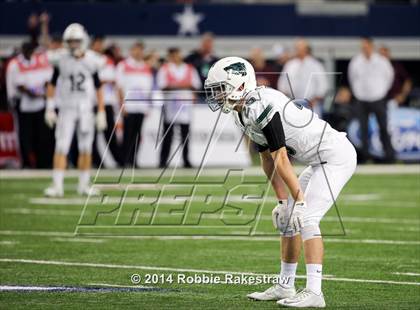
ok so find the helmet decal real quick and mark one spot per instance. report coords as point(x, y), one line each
point(228, 81)
point(238, 68)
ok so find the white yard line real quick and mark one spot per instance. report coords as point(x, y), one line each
point(36, 233)
point(32, 211)
point(344, 201)
point(221, 238)
point(119, 285)
point(372, 241)
point(71, 288)
point(182, 270)
point(81, 240)
point(333, 219)
point(173, 200)
point(361, 169)
point(8, 242)
point(412, 274)
point(380, 204)
point(30, 288)
point(133, 200)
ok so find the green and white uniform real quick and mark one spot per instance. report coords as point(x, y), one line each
point(330, 156)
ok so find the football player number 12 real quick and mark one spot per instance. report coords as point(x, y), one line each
point(77, 81)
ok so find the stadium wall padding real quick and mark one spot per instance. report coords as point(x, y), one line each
point(226, 20)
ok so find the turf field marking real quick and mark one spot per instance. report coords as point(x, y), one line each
point(93, 289)
point(349, 219)
point(8, 242)
point(181, 270)
point(383, 220)
point(360, 197)
point(412, 274)
point(119, 285)
point(221, 238)
point(36, 233)
point(275, 239)
point(32, 288)
point(381, 204)
point(361, 169)
point(405, 228)
point(169, 200)
point(82, 240)
point(33, 211)
point(78, 201)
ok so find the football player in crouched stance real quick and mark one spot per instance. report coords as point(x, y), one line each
point(279, 125)
point(76, 71)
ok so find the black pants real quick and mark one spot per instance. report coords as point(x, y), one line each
point(131, 138)
point(168, 133)
point(36, 140)
point(109, 137)
point(380, 110)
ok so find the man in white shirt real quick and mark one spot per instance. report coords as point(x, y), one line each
point(304, 77)
point(371, 76)
point(27, 76)
point(178, 80)
point(134, 79)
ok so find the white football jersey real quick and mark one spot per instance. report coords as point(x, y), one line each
point(304, 132)
point(76, 84)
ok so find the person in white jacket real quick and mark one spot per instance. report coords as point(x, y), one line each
point(304, 77)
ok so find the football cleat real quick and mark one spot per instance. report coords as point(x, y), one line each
point(53, 192)
point(275, 292)
point(89, 191)
point(303, 299)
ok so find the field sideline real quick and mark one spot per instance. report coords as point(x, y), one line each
point(50, 258)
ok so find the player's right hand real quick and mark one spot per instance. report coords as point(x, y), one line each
point(50, 117)
point(279, 216)
point(101, 123)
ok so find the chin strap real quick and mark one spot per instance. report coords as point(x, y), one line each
point(78, 52)
point(228, 107)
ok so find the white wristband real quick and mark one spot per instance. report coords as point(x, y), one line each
point(50, 104)
point(283, 202)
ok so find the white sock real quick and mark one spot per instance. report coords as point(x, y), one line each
point(58, 178)
point(84, 179)
point(314, 277)
point(288, 274)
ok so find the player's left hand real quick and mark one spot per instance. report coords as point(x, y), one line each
point(296, 218)
point(101, 123)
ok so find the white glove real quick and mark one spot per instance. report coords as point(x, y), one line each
point(296, 218)
point(279, 215)
point(50, 117)
point(101, 124)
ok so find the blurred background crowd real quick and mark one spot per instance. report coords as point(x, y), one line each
point(372, 82)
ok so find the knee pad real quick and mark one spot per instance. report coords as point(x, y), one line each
point(310, 232)
point(62, 147)
point(289, 234)
point(85, 143)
